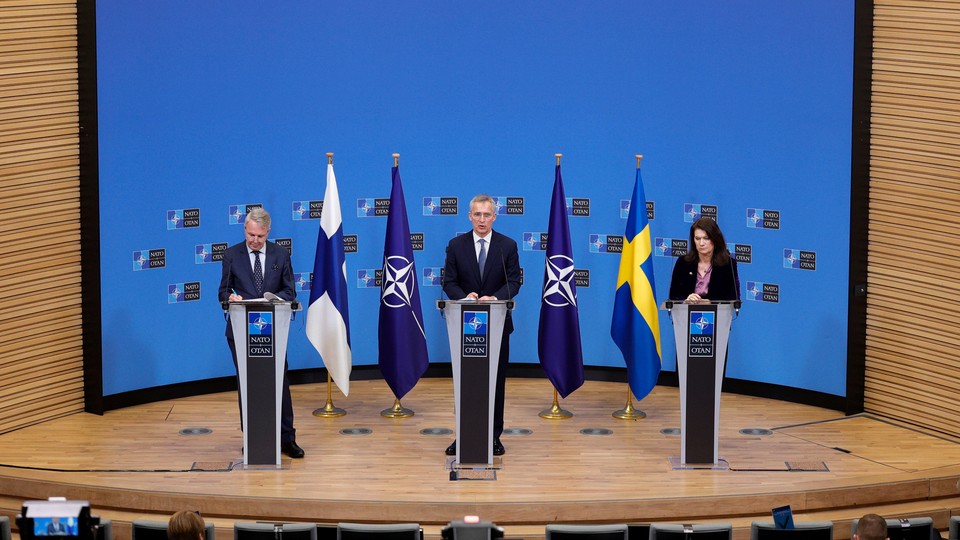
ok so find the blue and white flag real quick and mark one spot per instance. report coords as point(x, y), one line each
point(636, 324)
point(403, 343)
point(559, 346)
point(328, 319)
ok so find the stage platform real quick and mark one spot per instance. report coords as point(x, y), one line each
point(151, 460)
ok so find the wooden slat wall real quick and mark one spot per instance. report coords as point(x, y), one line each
point(41, 372)
point(913, 338)
point(913, 319)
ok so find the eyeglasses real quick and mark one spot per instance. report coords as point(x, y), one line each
point(482, 215)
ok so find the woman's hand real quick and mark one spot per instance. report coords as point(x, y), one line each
point(694, 298)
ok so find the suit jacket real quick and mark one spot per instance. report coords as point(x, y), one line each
point(237, 274)
point(501, 273)
point(724, 281)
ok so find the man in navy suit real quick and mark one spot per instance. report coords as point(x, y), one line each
point(55, 528)
point(250, 269)
point(498, 279)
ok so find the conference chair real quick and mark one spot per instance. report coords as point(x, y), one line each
point(326, 531)
point(810, 530)
point(700, 531)
point(4, 528)
point(244, 530)
point(638, 531)
point(104, 529)
point(954, 528)
point(148, 529)
point(920, 528)
point(379, 531)
point(559, 531)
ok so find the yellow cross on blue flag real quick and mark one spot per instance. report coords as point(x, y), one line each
point(636, 325)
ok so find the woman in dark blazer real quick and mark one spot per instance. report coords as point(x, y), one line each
point(707, 271)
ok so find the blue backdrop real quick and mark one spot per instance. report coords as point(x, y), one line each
point(739, 107)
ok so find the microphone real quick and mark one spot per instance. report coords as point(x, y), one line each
point(506, 281)
point(736, 284)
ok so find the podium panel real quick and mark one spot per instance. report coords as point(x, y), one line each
point(475, 330)
point(260, 331)
point(701, 332)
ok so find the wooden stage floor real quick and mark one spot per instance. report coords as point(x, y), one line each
point(135, 463)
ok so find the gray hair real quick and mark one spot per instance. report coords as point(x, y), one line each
point(481, 198)
point(259, 216)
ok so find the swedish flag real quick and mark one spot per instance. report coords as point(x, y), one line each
point(636, 326)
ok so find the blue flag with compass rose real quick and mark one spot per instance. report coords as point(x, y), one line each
point(403, 343)
point(559, 346)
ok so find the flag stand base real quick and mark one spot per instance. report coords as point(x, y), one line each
point(329, 411)
point(628, 412)
point(555, 412)
point(397, 411)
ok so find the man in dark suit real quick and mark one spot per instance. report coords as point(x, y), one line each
point(485, 265)
point(55, 528)
point(250, 269)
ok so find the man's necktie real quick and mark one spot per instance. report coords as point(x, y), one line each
point(258, 273)
point(483, 254)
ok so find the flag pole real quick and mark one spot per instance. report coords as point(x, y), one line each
point(555, 412)
point(398, 410)
point(628, 412)
point(329, 410)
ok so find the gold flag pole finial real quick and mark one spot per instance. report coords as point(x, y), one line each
point(398, 410)
point(396, 160)
point(639, 157)
point(628, 412)
point(329, 410)
point(558, 156)
point(329, 158)
point(555, 412)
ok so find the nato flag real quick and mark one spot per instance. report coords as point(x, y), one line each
point(403, 344)
point(559, 342)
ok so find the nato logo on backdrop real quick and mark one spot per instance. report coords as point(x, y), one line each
point(440, 206)
point(799, 259)
point(606, 243)
point(416, 241)
point(758, 218)
point(534, 241)
point(148, 259)
point(369, 278)
point(670, 247)
point(209, 253)
point(758, 291)
point(351, 242)
point(432, 276)
point(625, 209)
point(303, 210)
point(578, 207)
point(373, 207)
point(743, 253)
point(581, 278)
point(286, 243)
point(508, 205)
point(693, 212)
point(302, 281)
point(183, 292)
point(238, 212)
point(187, 218)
